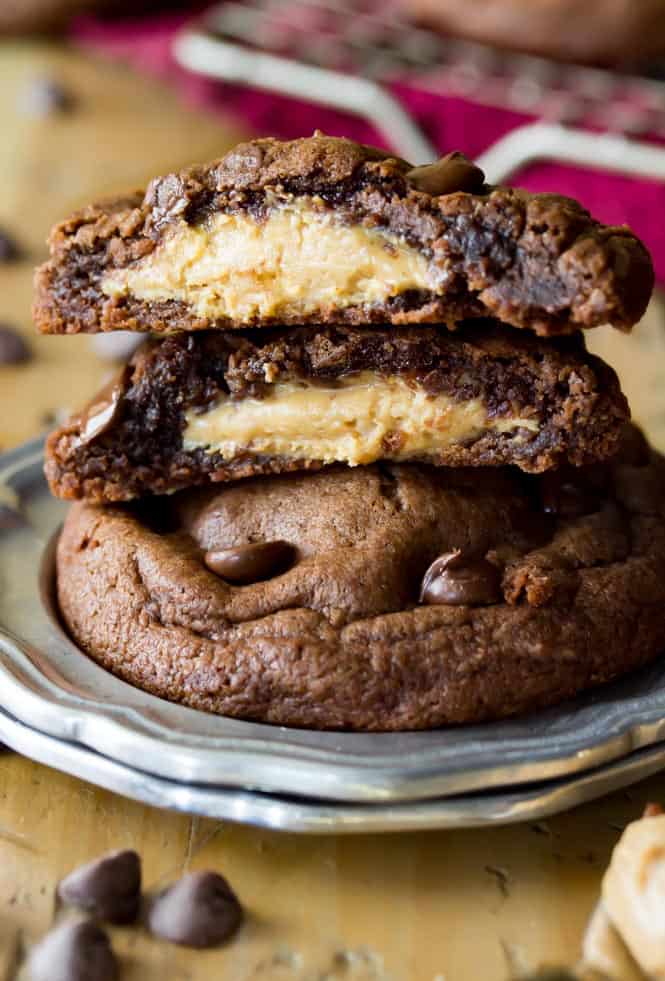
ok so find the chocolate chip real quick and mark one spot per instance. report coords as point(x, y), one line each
point(46, 97)
point(250, 563)
point(109, 887)
point(9, 249)
point(460, 579)
point(103, 410)
point(567, 495)
point(451, 173)
point(74, 952)
point(200, 910)
point(13, 347)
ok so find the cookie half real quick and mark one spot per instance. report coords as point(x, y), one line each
point(324, 230)
point(30, 16)
point(385, 597)
point(219, 406)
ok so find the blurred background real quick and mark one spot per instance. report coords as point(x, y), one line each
point(98, 97)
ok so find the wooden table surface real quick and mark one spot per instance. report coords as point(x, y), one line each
point(457, 905)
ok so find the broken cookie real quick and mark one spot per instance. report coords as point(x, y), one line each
point(323, 230)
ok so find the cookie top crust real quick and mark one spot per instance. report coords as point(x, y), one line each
point(382, 597)
point(339, 233)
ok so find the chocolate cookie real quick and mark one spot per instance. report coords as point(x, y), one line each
point(617, 32)
point(360, 630)
point(30, 16)
point(218, 405)
point(323, 230)
point(38, 16)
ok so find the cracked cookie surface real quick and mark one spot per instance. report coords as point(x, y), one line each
point(339, 639)
point(324, 230)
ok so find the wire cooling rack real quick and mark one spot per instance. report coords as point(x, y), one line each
point(346, 53)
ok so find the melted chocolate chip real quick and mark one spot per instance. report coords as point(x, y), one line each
point(451, 173)
point(250, 563)
point(109, 887)
point(104, 409)
point(200, 910)
point(13, 347)
point(459, 579)
point(9, 250)
point(565, 496)
point(74, 952)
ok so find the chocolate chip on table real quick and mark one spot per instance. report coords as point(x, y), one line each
point(250, 563)
point(14, 348)
point(451, 173)
point(566, 495)
point(200, 910)
point(108, 888)
point(46, 97)
point(9, 249)
point(74, 952)
point(460, 579)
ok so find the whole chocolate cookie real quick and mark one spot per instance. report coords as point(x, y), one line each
point(363, 629)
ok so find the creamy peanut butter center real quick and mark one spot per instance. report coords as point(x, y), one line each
point(298, 260)
point(361, 419)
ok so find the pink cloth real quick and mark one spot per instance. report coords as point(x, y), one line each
point(450, 122)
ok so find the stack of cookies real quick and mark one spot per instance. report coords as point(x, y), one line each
point(363, 474)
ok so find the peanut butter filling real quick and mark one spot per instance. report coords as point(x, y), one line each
point(298, 260)
point(362, 418)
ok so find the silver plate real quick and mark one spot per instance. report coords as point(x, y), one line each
point(329, 817)
point(48, 684)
